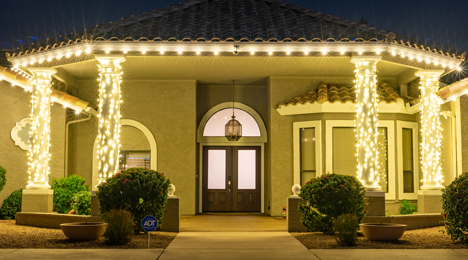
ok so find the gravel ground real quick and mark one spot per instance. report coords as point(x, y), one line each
point(16, 236)
point(427, 238)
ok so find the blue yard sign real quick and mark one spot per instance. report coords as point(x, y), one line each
point(149, 223)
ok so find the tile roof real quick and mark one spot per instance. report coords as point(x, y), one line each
point(340, 93)
point(232, 20)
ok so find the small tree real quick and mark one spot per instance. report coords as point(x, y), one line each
point(140, 191)
point(455, 209)
point(328, 197)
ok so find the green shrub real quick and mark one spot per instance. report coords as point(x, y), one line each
point(142, 192)
point(64, 190)
point(455, 209)
point(119, 229)
point(406, 208)
point(2, 178)
point(328, 197)
point(11, 205)
point(346, 226)
point(82, 203)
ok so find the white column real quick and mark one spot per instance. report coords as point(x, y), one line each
point(39, 156)
point(366, 120)
point(431, 131)
point(109, 115)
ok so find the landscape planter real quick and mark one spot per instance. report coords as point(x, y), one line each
point(84, 230)
point(382, 231)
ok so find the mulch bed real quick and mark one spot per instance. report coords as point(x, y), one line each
point(16, 236)
point(427, 238)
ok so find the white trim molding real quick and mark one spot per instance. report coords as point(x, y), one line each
point(415, 128)
point(15, 131)
point(297, 126)
point(348, 107)
point(145, 131)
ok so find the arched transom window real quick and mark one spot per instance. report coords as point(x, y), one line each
point(216, 124)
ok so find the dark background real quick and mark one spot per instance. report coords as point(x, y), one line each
point(435, 22)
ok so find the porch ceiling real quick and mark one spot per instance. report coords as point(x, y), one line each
point(220, 70)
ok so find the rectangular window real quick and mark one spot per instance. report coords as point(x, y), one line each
point(216, 169)
point(135, 159)
point(344, 151)
point(408, 172)
point(307, 144)
point(246, 168)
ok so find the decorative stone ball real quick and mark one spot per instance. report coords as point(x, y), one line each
point(296, 188)
point(171, 190)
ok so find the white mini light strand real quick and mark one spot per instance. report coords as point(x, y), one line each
point(39, 156)
point(431, 131)
point(366, 120)
point(109, 115)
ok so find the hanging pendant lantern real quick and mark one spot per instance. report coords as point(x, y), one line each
point(233, 129)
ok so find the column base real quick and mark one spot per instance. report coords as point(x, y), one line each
point(37, 201)
point(171, 217)
point(376, 206)
point(94, 204)
point(429, 201)
point(294, 216)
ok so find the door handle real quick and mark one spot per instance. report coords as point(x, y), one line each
point(229, 184)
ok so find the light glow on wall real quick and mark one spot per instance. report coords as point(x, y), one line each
point(431, 131)
point(39, 156)
point(366, 120)
point(109, 115)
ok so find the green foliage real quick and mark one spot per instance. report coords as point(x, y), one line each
point(142, 192)
point(328, 197)
point(82, 203)
point(346, 226)
point(64, 190)
point(406, 208)
point(455, 209)
point(11, 205)
point(2, 178)
point(119, 229)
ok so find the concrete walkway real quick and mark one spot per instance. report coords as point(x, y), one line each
point(236, 245)
point(233, 222)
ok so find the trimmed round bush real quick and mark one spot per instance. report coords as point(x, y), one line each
point(455, 209)
point(328, 197)
point(11, 205)
point(82, 203)
point(140, 191)
point(2, 178)
point(64, 190)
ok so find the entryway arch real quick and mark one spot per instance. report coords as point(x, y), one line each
point(254, 138)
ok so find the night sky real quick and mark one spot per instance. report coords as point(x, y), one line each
point(439, 23)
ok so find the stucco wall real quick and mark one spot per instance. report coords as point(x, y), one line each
point(15, 107)
point(167, 109)
point(464, 131)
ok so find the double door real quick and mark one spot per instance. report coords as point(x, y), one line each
point(231, 179)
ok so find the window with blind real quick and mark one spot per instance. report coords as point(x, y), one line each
point(307, 148)
point(344, 153)
point(408, 171)
point(135, 159)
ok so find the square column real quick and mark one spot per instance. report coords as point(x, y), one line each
point(366, 120)
point(430, 195)
point(38, 197)
point(109, 115)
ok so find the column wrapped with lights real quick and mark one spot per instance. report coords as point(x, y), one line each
point(39, 156)
point(366, 120)
point(110, 77)
point(431, 130)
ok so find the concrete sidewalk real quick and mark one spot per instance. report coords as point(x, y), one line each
point(234, 245)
